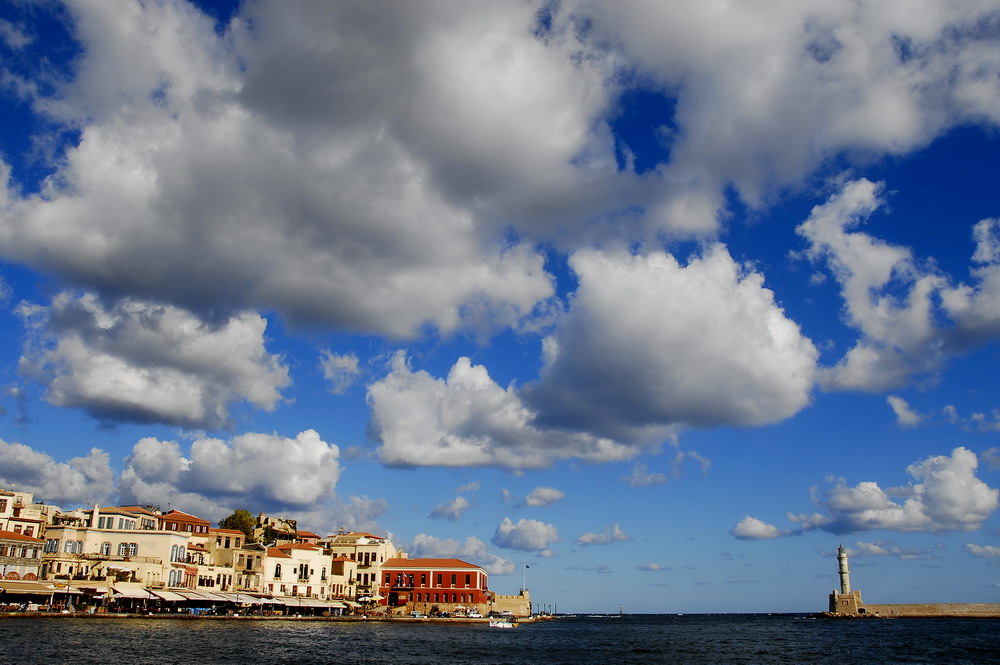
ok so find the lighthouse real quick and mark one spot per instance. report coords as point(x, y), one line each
point(845, 573)
point(846, 601)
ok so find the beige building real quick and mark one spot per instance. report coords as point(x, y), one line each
point(112, 544)
point(20, 556)
point(20, 514)
point(369, 551)
point(296, 570)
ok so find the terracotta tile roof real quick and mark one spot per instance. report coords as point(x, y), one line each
point(306, 534)
point(182, 516)
point(342, 558)
point(278, 552)
point(135, 509)
point(428, 563)
point(10, 535)
point(235, 532)
point(298, 546)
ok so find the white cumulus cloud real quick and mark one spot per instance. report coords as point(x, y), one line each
point(451, 509)
point(905, 416)
point(471, 549)
point(525, 535)
point(751, 528)
point(542, 496)
point(910, 318)
point(216, 476)
point(611, 534)
point(142, 362)
point(83, 480)
point(945, 495)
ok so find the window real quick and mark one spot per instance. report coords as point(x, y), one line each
point(122, 549)
point(3, 505)
point(277, 571)
point(387, 578)
point(105, 549)
point(133, 549)
point(29, 530)
point(423, 579)
point(322, 575)
point(439, 579)
point(453, 576)
point(468, 580)
point(17, 529)
point(227, 542)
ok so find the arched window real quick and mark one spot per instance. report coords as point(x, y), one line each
point(277, 571)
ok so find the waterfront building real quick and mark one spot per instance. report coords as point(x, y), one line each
point(175, 520)
point(113, 543)
point(296, 570)
point(420, 584)
point(369, 551)
point(20, 514)
point(20, 556)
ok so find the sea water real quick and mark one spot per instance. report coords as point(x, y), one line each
point(724, 638)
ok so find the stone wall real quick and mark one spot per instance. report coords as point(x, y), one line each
point(935, 610)
point(519, 605)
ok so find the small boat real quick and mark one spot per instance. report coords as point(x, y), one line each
point(503, 623)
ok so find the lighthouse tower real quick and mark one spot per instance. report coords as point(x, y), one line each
point(845, 573)
point(846, 601)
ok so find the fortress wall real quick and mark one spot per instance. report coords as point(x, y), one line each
point(935, 610)
point(519, 605)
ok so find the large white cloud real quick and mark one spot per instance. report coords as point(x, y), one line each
point(251, 470)
point(911, 319)
point(650, 343)
point(468, 420)
point(946, 495)
point(143, 362)
point(525, 534)
point(338, 163)
point(767, 92)
point(84, 480)
point(613, 381)
point(356, 164)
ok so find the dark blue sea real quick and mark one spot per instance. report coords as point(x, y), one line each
point(727, 638)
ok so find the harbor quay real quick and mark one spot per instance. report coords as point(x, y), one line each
point(141, 561)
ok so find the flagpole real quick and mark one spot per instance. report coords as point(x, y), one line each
point(524, 576)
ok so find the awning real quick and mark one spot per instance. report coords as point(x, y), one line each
point(351, 603)
point(168, 595)
point(60, 587)
point(21, 586)
point(131, 592)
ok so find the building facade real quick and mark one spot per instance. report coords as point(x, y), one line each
point(420, 584)
point(20, 556)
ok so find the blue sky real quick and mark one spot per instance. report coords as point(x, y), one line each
point(664, 302)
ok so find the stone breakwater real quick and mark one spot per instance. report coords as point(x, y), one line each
point(991, 610)
point(923, 610)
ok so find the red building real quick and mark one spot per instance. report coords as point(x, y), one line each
point(421, 583)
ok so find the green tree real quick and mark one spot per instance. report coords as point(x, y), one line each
point(241, 520)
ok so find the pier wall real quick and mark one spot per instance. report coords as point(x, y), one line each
point(935, 610)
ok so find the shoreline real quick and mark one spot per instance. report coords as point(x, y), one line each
point(245, 617)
